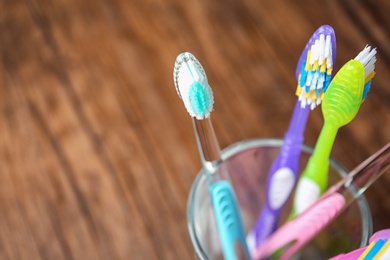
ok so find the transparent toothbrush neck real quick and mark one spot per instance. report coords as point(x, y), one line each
point(366, 173)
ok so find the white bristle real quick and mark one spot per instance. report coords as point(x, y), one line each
point(308, 79)
point(363, 53)
point(328, 48)
point(303, 101)
point(367, 58)
point(320, 82)
point(318, 101)
point(370, 55)
point(321, 49)
point(313, 84)
point(314, 52)
point(370, 66)
point(329, 60)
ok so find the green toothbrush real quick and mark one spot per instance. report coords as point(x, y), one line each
point(340, 105)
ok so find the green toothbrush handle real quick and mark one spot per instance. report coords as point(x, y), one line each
point(314, 178)
point(310, 186)
point(317, 171)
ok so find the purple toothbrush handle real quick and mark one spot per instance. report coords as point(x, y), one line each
point(281, 180)
point(282, 175)
point(266, 224)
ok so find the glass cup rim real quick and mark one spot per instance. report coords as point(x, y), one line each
point(270, 142)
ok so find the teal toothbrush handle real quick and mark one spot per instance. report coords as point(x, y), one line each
point(224, 202)
point(229, 222)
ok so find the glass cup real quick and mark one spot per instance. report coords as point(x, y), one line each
point(248, 163)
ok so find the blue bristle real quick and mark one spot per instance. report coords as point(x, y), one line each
point(302, 80)
point(201, 99)
point(367, 87)
point(328, 78)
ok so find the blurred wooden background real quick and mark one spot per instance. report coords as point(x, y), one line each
point(97, 153)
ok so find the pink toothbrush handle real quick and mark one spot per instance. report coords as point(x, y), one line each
point(302, 229)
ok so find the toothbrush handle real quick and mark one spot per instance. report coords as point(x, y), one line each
point(282, 175)
point(281, 180)
point(229, 222)
point(266, 224)
point(309, 189)
point(303, 228)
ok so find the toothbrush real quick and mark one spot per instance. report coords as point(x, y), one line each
point(378, 249)
point(296, 233)
point(340, 105)
point(193, 88)
point(314, 70)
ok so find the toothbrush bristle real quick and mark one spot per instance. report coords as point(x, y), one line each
point(192, 86)
point(368, 58)
point(316, 67)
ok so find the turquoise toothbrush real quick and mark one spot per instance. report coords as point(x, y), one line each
point(340, 105)
point(192, 87)
point(314, 70)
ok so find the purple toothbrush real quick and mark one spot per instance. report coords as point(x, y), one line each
point(313, 73)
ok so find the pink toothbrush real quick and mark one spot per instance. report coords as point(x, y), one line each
point(298, 232)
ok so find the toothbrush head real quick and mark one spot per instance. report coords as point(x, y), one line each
point(327, 30)
point(349, 88)
point(367, 58)
point(344, 95)
point(192, 86)
point(315, 66)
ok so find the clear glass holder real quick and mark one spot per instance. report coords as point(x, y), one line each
point(248, 163)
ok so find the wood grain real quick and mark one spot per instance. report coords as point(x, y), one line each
point(97, 151)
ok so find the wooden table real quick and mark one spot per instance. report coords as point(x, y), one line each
point(97, 151)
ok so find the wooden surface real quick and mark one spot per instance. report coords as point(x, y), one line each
point(97, 153)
